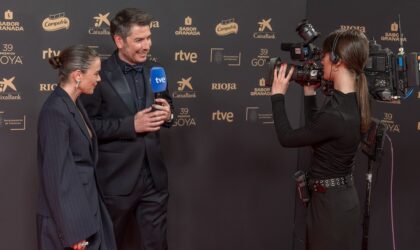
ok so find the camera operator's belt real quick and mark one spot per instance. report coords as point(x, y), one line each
point(321, 185)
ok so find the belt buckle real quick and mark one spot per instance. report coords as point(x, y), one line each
point(319, 188)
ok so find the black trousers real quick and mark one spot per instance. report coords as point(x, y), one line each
point(334, 220)
point(140, 217)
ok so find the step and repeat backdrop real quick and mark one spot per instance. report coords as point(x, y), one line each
point(230, 181)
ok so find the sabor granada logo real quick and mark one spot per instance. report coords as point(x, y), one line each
point(187, 29)
point(9, 24)
point(265, 31)
point(261, 90)
point(56, 22)
point(8, 55)
point(101, 25)
point(8, 90)
point(185, 89)
point(227, 27)
point(394, 35)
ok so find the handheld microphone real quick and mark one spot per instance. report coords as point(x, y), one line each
point(158, 81)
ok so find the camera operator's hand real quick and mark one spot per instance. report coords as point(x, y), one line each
point(280, 80)
point(309, 90)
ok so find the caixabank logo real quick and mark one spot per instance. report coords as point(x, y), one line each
point(8, 90)
point(393, 35)
point(265, 30)
point(220, 56)
point(101, 25)
point(55, 22)
point(262, 89)
point(8, 55)
point(261, 59)
point(390, 124)
point(9, 24)
point(12, 123)
point(188, 29)
point(227, 27)
point(184, 118)
point(185, 89)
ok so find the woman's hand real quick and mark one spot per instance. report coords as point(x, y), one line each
point(280, 80)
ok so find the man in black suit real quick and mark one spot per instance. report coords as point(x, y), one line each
point(131, 171)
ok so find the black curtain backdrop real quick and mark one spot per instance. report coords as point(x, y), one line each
point(231, 183)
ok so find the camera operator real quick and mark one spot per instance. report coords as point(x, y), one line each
point(334, 133)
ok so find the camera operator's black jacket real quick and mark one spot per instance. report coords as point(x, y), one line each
point(333, 132)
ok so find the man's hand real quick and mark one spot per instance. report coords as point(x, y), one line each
point(150, 119)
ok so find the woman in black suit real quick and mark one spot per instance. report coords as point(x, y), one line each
point(71, 214)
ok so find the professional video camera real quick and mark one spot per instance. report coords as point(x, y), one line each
point(310, 71)
point(389, 75)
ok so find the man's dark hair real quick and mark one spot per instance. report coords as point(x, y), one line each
point(126, 18)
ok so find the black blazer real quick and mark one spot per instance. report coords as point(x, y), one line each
point(70, 209)
point(122, 151)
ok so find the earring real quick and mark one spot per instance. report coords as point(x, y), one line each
point(77, 83)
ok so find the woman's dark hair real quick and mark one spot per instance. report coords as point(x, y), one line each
point(124, 19)
point(76, 57)
point(352, 48)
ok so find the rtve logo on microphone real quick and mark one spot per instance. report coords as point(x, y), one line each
point(186, 56)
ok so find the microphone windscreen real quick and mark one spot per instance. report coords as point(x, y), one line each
point(158, 79)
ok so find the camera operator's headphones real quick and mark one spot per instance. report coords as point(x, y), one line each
point(334, 58)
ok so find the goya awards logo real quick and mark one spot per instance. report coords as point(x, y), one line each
point(225, 116)
point(390, 124)
point(187, 29)
point(184, 118)
point(219, 56)
point(265, 31)
point(262, 89)
point(8, 55)
point(56, 22)
point(101, 25)
point(9, 24)
point(8, 90)
point(393, 35)
point(13, 123)
point(261, 58)
point(185, 89)
point(351, 27)
point(255, 115)
point(227, 27)
point(224, 86)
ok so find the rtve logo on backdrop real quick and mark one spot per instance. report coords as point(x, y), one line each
point(48, 53)
point(186, 56)
point(222, 116)
point(8, 24)
point(8, 55)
